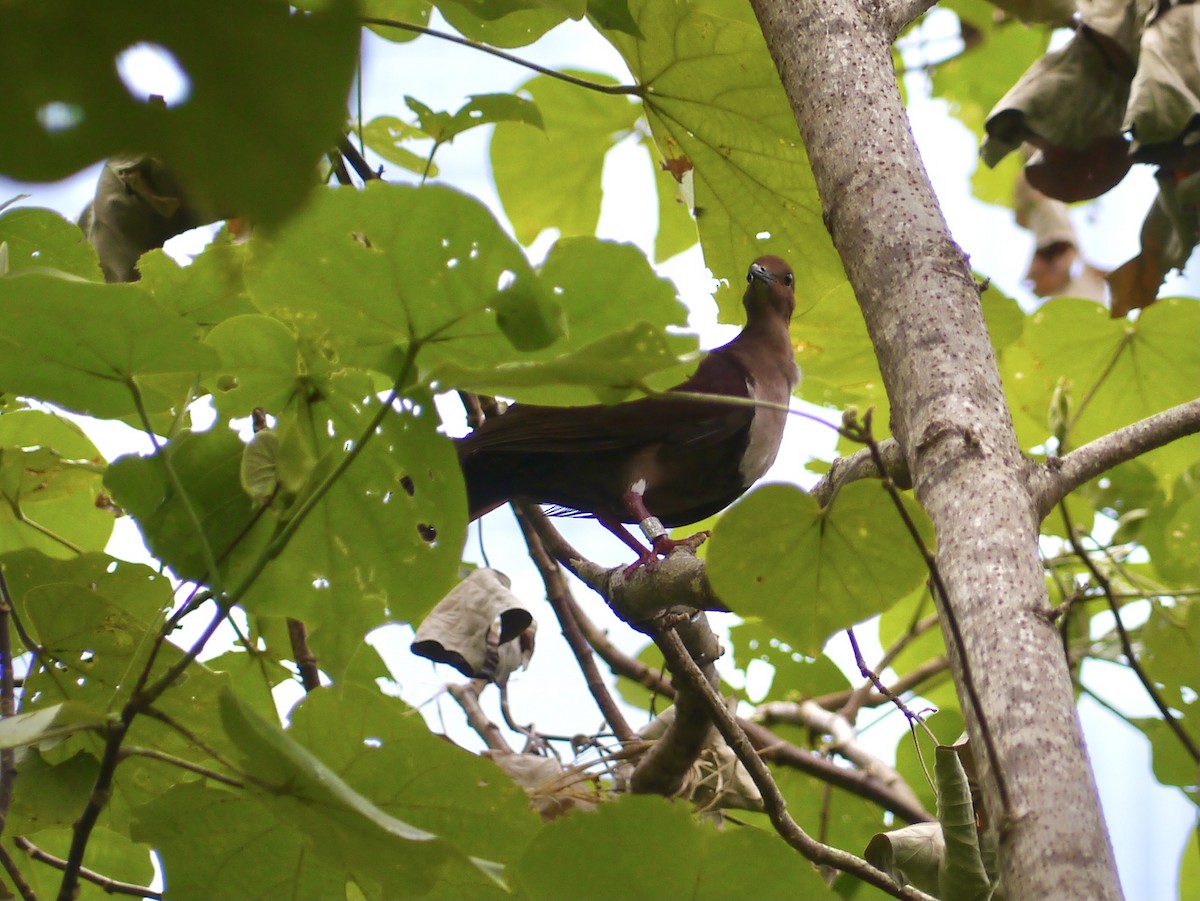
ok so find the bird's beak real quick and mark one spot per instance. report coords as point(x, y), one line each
point(760, 273)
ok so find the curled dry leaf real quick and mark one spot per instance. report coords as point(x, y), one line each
point(139, 205)
point(479, 610)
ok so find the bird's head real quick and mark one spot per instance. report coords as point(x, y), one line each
point(770, 289)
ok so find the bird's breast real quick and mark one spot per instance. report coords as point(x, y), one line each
point(766, 428)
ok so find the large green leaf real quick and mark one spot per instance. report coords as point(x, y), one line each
point(384, 542)
point(379, 748)
point(49, 484)
point(83, 345)
point(246, 137)
point(377, 850)
point(721, 119)
point(238, 835)
point(370, 271)
point(666, 853)
point(1111, 373)
point(617, 312)
point(579, 128)
point(809, 572)
point(42, 239)
point(207, 290)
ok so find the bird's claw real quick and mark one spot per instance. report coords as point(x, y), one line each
point(662, 547)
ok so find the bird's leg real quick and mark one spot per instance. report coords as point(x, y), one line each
point(646, 557)
point(660, 543)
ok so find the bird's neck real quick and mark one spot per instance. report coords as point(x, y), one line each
point(767, 340)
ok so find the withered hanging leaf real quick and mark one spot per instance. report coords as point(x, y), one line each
point(1164, 99)
point(1168, 238)
point(1070, 105)
point(457, 630)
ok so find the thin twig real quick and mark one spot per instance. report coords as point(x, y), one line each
point(467, 697)
point(163, 757)
point(635, 90)
point(110, 885)
point(15, 874)
point(558, 594)
point(685, 668)
point(874, 679)
point(356, 160)
point(305, 659)
point(1126, 644)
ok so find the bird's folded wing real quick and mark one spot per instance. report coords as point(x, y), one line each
point(652, 420)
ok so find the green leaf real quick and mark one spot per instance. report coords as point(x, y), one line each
point(42, 239)
point(50, 481)
point(580, 127)
point(274, 115)
point(383, 751)
point(384, 542)
point(1189, 867)
point(47, 795)
point(794, 676)
point(716, 109)
point(528, 318)
point(82, 345)
point(962, 874)
point(260, 365)
point(411, 11)
point(208, 466)
point(366, 272)
point(1118, 372)
point(809, 572)
point(206, 291)
point(49, 724)
point(241, 834)
point(665, 852)
point(602, 355)
point(386, 136)
point(508, 23)
point(344, 826)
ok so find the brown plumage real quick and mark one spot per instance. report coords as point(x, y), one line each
point(675, 459)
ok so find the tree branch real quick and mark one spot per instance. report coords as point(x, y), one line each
point(682, 664)
point(666, 763)
point(860, 465)
point(559, 595)
point(1058, 477)
point(14, 873)
point(899, 14)
point(305, 659)
point(467, 696)
point(110, 885)
point(844, 741)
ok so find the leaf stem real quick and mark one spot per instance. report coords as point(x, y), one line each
point(635, 90)
point(1126, 644)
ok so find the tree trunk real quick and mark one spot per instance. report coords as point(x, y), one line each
point(922, 310)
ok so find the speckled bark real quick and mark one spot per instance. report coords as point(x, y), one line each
point(950, 418)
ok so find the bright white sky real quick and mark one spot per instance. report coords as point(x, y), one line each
point(1149, 824)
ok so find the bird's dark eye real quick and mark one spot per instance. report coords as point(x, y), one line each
point(749, 278)
point(788, 279)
